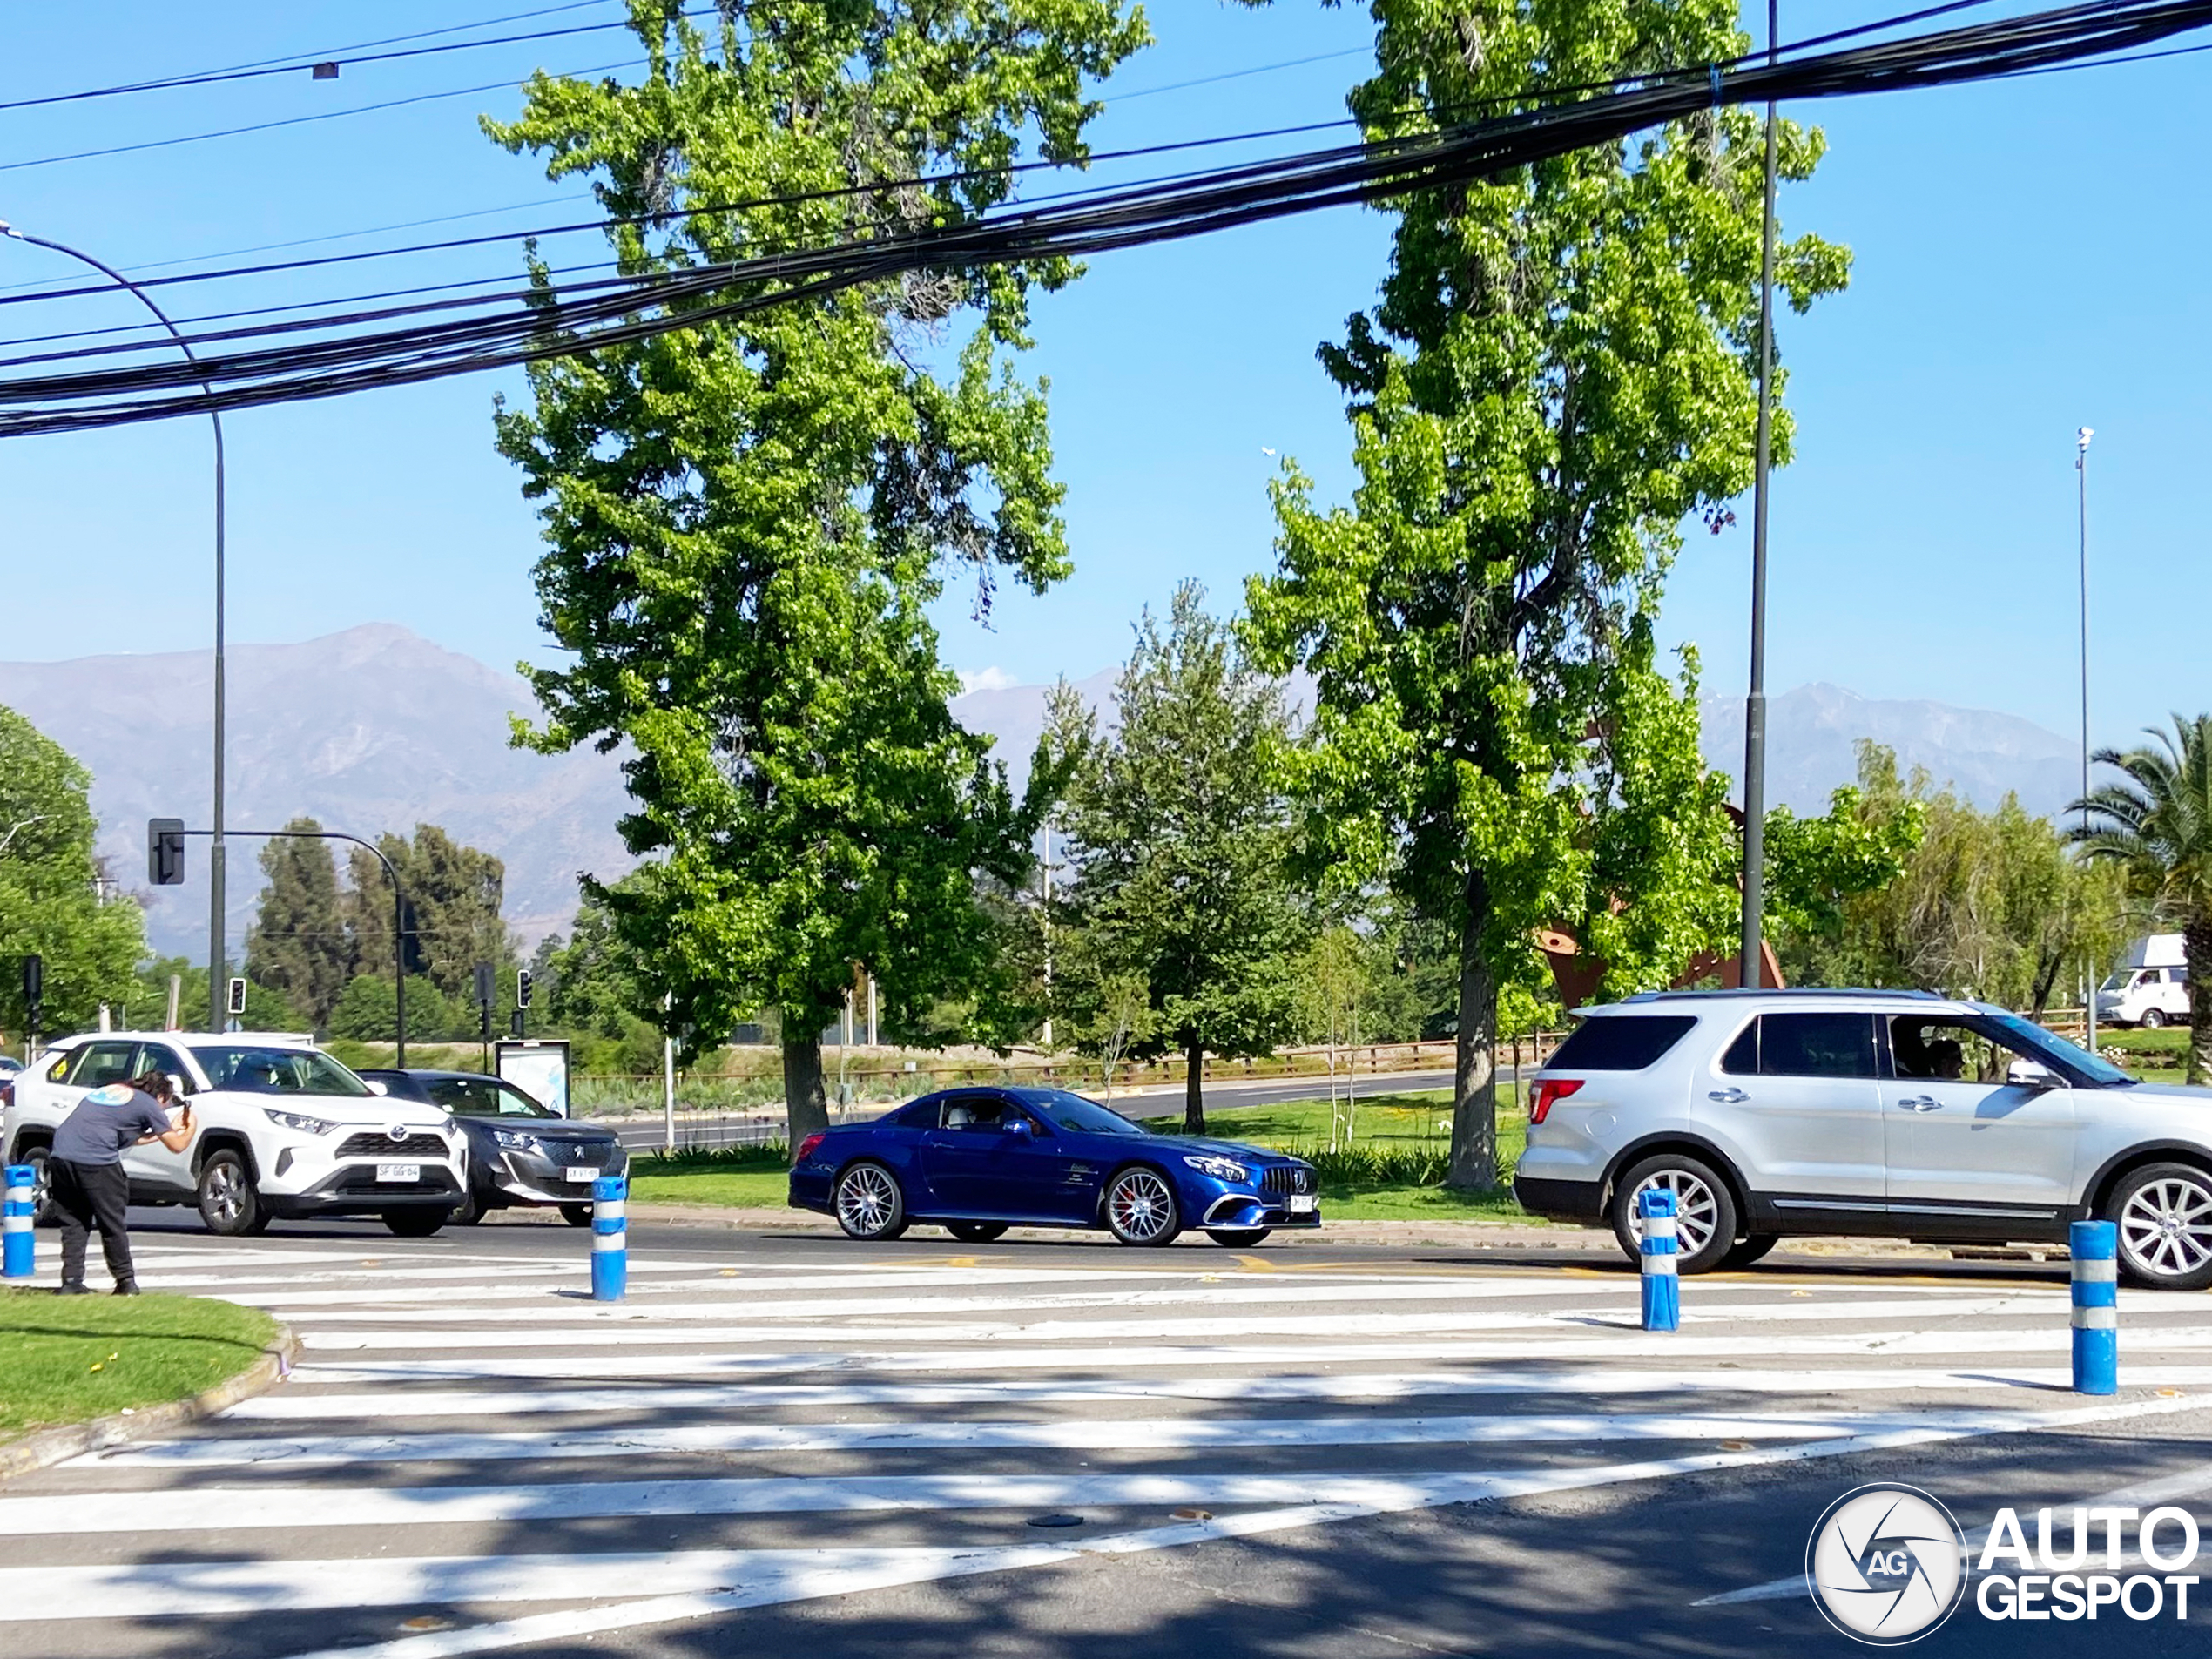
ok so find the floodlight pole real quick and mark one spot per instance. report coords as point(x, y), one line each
point(2081, 468)
point(1755, 699)
point(216, 943)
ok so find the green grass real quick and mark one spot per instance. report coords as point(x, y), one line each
point(1391, 1168)
point(65, 1358)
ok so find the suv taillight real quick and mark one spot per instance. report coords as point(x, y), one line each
point(806, 1147)
point(1549, 1092)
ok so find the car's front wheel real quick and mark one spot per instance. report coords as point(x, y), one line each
point(229, 1202)
point(2164, 1215)
point(1238, 1238)
point(470, 1211)
point(869, 1205)
point(2153, 1019)
point(1705, 1219)
point(1140, 1208)
point(975, 1233)
point(417, 1221)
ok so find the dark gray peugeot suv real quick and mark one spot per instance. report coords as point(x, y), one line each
point(519, 1152)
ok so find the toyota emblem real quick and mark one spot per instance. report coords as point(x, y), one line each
point(397, 1132)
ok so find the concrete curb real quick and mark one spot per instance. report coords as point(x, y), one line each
point(44, 1448)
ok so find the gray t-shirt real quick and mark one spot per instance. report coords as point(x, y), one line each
point(105, 1121)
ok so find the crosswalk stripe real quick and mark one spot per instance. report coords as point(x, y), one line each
point(1127, 1435)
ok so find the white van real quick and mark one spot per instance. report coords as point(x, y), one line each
point(2149, 987)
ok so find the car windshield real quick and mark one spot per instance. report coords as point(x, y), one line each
point(484, 1097)
point(2117, 981)
point(2075, 1062)
point(1081, 1116)
point(250, 1068)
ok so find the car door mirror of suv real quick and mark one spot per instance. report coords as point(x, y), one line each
point(377, 1086)
point(1021, 1128)
point(2030, 1074)
point(178, 1086)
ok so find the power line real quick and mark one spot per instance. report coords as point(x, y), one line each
point(553, 325)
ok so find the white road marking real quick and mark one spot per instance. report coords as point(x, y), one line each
point(296, 1404)
point(703, 1580)
point(1126, 1435)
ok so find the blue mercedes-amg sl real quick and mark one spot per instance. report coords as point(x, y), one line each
point(978, 1160)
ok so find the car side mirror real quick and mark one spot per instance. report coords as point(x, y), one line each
point(2030, 1074)
point(178, 1086)
point(1021, 1128)
point(377, 1086)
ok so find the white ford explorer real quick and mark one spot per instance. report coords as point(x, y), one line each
point(1894, 1113)
point(284, 1130)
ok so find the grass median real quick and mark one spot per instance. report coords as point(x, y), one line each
point(67, 1359)
point(1381, 1158)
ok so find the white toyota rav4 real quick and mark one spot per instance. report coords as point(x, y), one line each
point(284, 1132)
point(1769, 1113)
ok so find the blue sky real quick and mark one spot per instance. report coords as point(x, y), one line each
point(2029, 257)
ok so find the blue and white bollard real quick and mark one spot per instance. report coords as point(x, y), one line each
point(19, 1253)
point(1661, 1288)
point(609, 1238)
point(2095, 1246)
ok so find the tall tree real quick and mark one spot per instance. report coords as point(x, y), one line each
point(453, 894)
point(746, 520)
point(1179, 843)
point(297, 945)
point(56, 901)
point(2156, 823)
point(1561, 370)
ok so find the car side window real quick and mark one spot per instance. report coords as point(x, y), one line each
point(102, 1063)
point(1742, 1059)
point(153, 1057)
point(1817, 1045)
point(974, 1112)
point(1940, 1051)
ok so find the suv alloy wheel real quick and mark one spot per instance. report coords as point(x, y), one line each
point(1705, 1219)
point(2164, 1215)
point(229, 1202)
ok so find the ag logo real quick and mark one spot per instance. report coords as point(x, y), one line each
point(1886, 1564)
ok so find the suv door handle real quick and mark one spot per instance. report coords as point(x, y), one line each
point(1728, 1096)
point(1921, 1102)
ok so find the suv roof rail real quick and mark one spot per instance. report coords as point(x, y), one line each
point(1794, 991)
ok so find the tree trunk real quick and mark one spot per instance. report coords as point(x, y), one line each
point(1194, 1097)
point(804, 1098)
point(2196, 948)
point(1474, 1081)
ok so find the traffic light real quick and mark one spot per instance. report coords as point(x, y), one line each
point(522, 986)
point(165, 851)
point(483, 985)
point(411, 953)
point(34, 1001)
point(235, 1003)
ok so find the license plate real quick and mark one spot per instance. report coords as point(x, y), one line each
point(1304, 1203)
point(579, 1174)
point(399, 1172)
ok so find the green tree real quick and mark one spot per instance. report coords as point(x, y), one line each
point(453, 892)
point(1178, 843)
point(56, 901)
point(297, 945)
point(746, 520)
point(2155, 825)
point(1562, 371)
point(365, 1010)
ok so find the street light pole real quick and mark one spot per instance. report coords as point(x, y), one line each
point(216, 963)
point(1755, 699)
point(2081, 468)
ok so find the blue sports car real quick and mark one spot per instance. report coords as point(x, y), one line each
point(978, 1160)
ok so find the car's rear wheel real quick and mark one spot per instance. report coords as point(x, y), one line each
point(229, 1202)
point(417, 1221)
point(1745, 1251)
point(2164, 1216)
point(577, 1215)
point(1238, 1238)
point(470, 1211)
point(41, 1187)
point(1705, 1216)
point(2153, 1019)
point(975, 1233)
point(1140, 1208)
point(868, 1203)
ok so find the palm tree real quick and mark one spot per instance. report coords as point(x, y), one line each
point(2157, 826)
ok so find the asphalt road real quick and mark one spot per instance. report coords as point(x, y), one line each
point(755, 1128)
point(788, 1443)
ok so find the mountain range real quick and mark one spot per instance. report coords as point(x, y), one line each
point(376, 729)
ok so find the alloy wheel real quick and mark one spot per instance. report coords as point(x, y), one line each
point(865, 1202)
point(1695, 1209)
point(2166, 1226)
point(1141, 1206)
point(226, 1194)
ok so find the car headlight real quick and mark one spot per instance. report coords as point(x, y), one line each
point(298, 1122)
point(516, 1139)
point(1219, 1169)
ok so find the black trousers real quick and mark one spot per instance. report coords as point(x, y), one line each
point(87, 1196)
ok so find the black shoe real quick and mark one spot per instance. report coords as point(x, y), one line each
point(129, 1287)
point(79, 1289)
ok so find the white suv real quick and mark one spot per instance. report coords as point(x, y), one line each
point(1867, 1113)
point(283, 1132)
